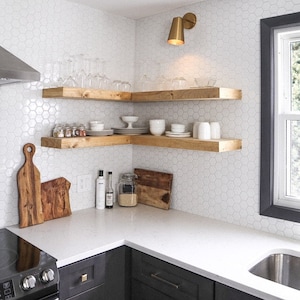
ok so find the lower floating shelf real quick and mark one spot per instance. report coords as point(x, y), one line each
point(221, 145)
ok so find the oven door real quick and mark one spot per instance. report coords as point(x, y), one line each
point(50, 297)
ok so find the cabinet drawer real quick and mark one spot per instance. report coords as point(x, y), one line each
point(82, 276)
point(170, 280)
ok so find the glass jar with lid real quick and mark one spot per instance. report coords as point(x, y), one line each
point(127, 190)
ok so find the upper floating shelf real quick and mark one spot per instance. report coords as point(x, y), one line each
point(205, 93)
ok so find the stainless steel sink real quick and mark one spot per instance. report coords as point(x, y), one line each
point(281, 268)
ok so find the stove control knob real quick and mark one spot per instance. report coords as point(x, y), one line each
point(28, 282)
point(47, 275)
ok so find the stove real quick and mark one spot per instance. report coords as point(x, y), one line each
point(26, 272)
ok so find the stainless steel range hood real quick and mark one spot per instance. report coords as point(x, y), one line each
point(12, 69)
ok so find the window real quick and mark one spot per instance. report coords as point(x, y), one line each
point(287, 117)
point(280, 117)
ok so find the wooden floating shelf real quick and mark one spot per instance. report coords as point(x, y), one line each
point(85, 142)
point(86, 94)
point(221, 145)
point(205, 93)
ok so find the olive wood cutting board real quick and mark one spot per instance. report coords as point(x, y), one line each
point(55, 198)
point(29, 187)
point(154, 188)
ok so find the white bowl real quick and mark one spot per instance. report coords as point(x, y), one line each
point(157, 122)
point(157, 130)
point(178, 128)
point(129, 119)
point(96, 125)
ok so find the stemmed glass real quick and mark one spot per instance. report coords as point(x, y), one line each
point(81, 64)
point(105, 81)
point(69, 73)
point(96, 78)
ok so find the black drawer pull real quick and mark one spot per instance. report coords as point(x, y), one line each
point(174, 285)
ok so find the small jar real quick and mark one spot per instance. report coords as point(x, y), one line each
point(58, 131)
point(127, 190)
point(67, 131)
point(80, 131)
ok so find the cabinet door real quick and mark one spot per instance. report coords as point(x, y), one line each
point(223, 292)
point(142, 291)
point(117, 274)
point(170, 280)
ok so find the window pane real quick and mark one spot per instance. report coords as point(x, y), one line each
point(293, 159)
point(295, 63)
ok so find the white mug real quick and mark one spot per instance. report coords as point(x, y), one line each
point(204, 131)
point(196, 129)
point(215, 130)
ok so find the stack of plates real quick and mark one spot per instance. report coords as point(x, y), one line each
point(100, 132)
point(178, 134)
point(131, 131)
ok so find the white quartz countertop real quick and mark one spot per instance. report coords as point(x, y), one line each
point(214, 249)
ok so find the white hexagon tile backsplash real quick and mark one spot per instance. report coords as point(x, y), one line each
point(225, 44)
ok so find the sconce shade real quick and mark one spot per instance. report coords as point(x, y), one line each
point(176, 35)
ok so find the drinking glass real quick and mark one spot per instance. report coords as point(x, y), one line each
point(69, 80)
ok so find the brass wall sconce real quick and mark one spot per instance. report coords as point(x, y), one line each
point(176, 35)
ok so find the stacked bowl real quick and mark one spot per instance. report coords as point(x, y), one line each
point(157, 126)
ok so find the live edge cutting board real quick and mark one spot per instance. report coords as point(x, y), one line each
point(154, 188)
point(55, 198)
point(29, 186)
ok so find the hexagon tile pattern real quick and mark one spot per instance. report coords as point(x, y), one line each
point(224, 44)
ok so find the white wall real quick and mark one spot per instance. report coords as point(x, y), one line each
point(39, 32)
point(225, 43)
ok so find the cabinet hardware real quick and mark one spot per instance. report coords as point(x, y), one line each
point(155, 276)
point(84, 277)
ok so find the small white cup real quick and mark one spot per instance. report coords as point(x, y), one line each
point(204, 131)
point(215, 130)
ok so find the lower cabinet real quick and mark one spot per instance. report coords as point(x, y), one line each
point(224, 292)
point(153, 278)
point(101, 277)
point(127, 274)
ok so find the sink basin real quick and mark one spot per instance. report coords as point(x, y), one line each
point(281, 268)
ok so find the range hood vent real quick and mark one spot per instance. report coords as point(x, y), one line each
point(12, 69)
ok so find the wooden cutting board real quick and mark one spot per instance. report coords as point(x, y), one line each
point(55, 198)
point(29, 186)
point(154, 188)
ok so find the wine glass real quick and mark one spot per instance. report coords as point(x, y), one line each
point(69, 73)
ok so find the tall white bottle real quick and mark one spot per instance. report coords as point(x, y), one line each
point(100, 191)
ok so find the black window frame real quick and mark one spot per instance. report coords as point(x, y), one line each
point(267, 28)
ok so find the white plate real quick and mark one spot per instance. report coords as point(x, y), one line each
point(99, 132)
point(178, 135)
point(130, 131)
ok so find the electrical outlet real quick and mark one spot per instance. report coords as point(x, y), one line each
point(84, 183)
